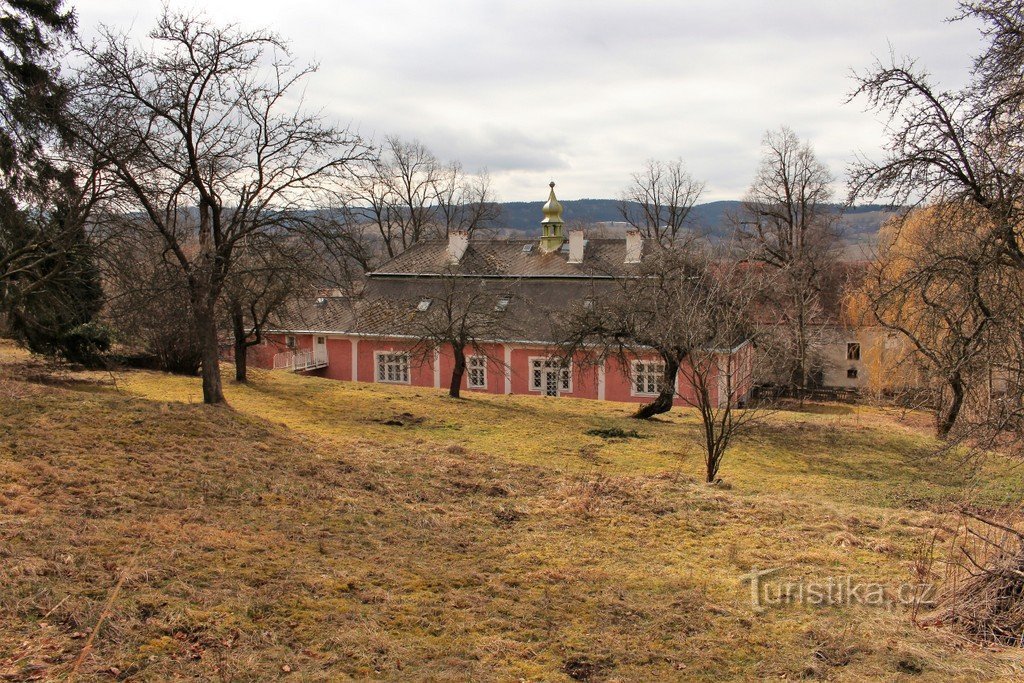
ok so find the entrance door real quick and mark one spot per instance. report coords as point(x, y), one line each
point(319, 350)
point(549, 377)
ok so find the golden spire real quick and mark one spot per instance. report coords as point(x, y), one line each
point(551, 227)
point(552, 209)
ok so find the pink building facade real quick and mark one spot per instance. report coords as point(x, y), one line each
point(525, 286)
point(502, 368)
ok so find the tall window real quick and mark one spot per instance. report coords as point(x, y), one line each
point(648, 376)
point(853, 351)
point(477, 372)
point(393, 367)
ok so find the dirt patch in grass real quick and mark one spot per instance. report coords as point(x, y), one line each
point(586, 668)
point(403, 420)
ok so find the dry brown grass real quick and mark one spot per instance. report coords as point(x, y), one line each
point(296, 535)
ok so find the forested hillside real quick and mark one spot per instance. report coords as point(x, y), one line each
point(860, 223)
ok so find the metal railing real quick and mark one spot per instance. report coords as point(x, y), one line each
point(298, 361)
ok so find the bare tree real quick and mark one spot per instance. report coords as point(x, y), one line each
point(652, 311)
point(465, 203)
point(659, 199)
point(197, 135)
point(270, 271)
point(340, 247)
point(640, 314)
point(399, 192)
point(407, 194)
point(693, 312)
point(718, 375)
point(147, 301)
point(789, 226)
point(963, 148)
point(946, 145)
point(459, 314)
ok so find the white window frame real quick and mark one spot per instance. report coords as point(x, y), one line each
point(291, 341)
point(636, 371)
point(476, 364)
point(380, 367)
point(565, 385)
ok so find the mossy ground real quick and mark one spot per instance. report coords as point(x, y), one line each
point(298, 534)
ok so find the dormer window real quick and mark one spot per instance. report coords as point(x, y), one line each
point(528, 248)
point(503, 303)
point(424, 304)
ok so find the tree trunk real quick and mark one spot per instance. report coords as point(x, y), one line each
point(712, 462)
point(206, 328)
point(715, 440)
point(663, 402)
point(801, 353)
point(457, 371)
point(801, 350)
point(241, 345)
point(204, 294)
point(948, 418)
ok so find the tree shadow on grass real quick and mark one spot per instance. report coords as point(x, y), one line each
point(793, 406)
point(864, 455)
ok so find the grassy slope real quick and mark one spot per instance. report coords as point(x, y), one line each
point(487, 538)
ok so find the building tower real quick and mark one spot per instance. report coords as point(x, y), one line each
point(552, 235)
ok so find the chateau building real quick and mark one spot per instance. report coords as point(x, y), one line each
point(371, 338)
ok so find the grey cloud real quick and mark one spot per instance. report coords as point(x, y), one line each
point(585, 91)
point(500, 148)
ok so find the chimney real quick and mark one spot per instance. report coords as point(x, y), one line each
point(634, 246)
point(576, 245)
point(458, 242)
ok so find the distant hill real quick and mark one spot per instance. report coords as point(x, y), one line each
point(860, 223)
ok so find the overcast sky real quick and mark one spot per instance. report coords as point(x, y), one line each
point(584, 91)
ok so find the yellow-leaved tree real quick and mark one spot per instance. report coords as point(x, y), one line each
point(938, 284)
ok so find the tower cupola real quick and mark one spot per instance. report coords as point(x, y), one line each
point(552, 234)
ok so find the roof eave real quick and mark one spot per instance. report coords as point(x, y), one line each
point(502, 277)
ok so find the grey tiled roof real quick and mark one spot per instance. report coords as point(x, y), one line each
point(506, 258)
point(540, 287)
point(330, 314)
point(387, 306)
